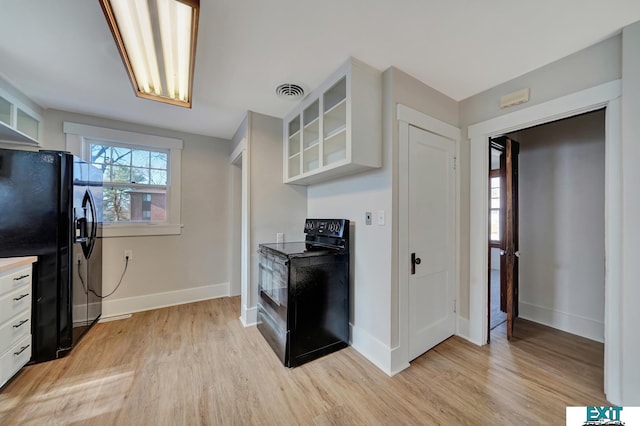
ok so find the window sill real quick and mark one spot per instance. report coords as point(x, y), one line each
point(139, 230)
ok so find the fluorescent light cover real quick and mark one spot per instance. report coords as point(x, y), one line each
point(157, 40)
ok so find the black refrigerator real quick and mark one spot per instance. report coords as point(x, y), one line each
point(51, 207)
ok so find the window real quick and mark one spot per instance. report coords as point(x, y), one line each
point(141, 178)
point(134, 180)
point(495, 210)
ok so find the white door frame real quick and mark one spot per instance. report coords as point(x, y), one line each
point(605, 95)
point(241, 155)
point(409, 117)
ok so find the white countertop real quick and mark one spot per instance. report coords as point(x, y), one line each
point(14, 262)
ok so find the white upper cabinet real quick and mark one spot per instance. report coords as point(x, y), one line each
point(18, 123)
point(336, 130)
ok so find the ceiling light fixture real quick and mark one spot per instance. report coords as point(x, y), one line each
point(157, 42)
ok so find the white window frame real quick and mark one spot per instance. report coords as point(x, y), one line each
point(78, 139)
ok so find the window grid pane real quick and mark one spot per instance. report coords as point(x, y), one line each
point(135, 182)
point(127, 165)
point(495, 209)
point(495, 225)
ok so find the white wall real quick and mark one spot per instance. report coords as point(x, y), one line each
point(401, 88)
point(371, 252)
point(168, 269)
point(609, 60)
point(235, 220)
point(587, 68)
point(630, 214)
point(374, 287)
point(275, 206)
point(561, 193)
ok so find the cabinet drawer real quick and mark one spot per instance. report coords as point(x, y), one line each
point(14, 279)
point(14, 359)
point(14, 302)
point(15, 329)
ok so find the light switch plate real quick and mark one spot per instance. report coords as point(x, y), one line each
point(367, 218)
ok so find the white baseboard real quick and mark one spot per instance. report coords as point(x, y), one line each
point(115, 318)
point(79, 313)
point(373, 349)
point(398, 361)
point(249, 316)
point(585, 327)
point(462, 328)
point(128, 305)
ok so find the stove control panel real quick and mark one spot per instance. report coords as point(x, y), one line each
point(327, 227)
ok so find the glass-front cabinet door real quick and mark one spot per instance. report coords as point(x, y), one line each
point(335, 123)
point(337, 129)
point(27, 124)
point(5, 111)
point(293, 147)
point(310, 137)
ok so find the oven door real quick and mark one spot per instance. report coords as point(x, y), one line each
point(273, 279)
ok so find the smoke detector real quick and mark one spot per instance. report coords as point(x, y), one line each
point(290, 91)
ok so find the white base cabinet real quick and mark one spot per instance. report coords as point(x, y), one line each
point(336, 130)
point(15, 315)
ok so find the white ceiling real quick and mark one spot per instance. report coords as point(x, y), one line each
point(61, 54)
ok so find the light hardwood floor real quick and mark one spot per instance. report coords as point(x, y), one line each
point(195, 364)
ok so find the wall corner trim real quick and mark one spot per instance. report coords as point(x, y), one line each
point(374, 350)
point(249, 316)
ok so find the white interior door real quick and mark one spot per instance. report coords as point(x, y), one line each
point(431, 240)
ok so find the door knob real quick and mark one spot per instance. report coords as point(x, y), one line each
point(414, 261)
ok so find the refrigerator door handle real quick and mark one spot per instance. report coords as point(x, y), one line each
point(87, 244)
point(94, 216)
point(80, 228)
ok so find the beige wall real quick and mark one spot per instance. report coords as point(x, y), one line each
point(196, 258)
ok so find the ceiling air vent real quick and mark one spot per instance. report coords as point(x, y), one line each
point(290, 91)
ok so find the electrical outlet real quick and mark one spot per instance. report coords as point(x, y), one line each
point(381, 220)
point(128, 254)
point(279, 237)
point(78, 258)
point(367, 218)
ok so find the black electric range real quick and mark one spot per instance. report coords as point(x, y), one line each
point(303, 302)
